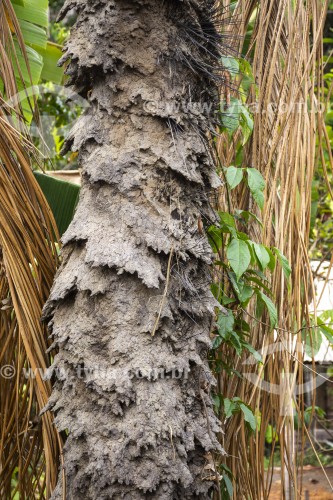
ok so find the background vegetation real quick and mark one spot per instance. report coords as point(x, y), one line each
point(275, 214)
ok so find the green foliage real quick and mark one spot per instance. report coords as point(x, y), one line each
point(236, 405)
point(283, 261)
point(58, 114)
point(62, 197)
point(234, 113)
point(321, 228)
point(310, 457)
point(239, 256)
point(226, 482)
point(271, 435)
point(234, 176)
point(58, 111)
point(325, 323)
point(230, 408)
point(231, 64)
point(310, 411)
point(51, 55)
point(312, 338)
point(33, 11)
point(55, 114)
point(256, 185)
point(234, 333)
point(244, 265)
point(322, 328)
point(42, 55)
point(262, 299)
point(325, 457)
point(256, 182)
point(247, 259)
point(59, 33)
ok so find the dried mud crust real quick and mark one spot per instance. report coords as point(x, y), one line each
point(134, 261)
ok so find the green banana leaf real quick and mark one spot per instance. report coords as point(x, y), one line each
point(42, 55)
point(34, 11)
point(62, 197)
point(51, 55)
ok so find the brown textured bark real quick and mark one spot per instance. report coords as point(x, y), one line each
point(133, 292)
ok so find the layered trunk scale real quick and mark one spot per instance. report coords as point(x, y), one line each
point(131, 309)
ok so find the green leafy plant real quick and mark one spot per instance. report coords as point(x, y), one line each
point(62, 198)
point(243, 265)
point(39, 62)
point(247, 262)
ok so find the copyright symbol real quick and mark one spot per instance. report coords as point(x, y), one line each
point(7, 371)
point(150, 106)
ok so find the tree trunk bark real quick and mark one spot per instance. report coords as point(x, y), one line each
point(131, 308)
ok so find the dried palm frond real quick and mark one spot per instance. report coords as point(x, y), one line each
point(286, 52)
point(29, 444)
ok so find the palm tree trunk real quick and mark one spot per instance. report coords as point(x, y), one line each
point(131, 309)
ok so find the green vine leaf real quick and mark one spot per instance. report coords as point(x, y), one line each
point(229, 407)
point(256, 185)
point(246, 123)
point(249, 417)
point(284, 262)
point(228, 485)
point(245, 294)
point(262, 255)
point(273, 316)
point(234, 176)
point(230, 64)
point(272, 260)
point(257, 356)
point(225, 323)
point(313, 340)
point(239, 256)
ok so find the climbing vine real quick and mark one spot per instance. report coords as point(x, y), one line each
point(243, 267)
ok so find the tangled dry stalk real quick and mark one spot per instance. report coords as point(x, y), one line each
point(29, 444)
point(286, 52)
